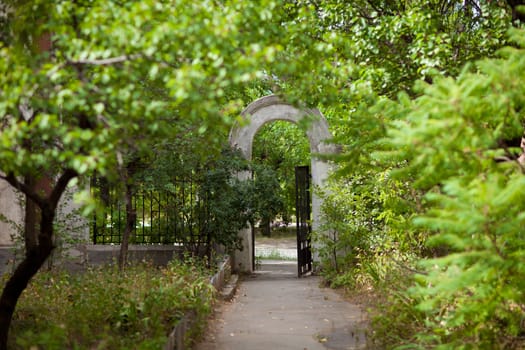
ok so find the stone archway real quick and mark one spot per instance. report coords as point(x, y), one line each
point(265, 110)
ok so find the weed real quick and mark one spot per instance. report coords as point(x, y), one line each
point(107, 309)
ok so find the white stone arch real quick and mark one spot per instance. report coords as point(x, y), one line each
point(266, 110)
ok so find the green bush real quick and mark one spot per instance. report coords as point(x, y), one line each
point(447, 244)
point(364, 230)
point(471, 295)
point(107, 309)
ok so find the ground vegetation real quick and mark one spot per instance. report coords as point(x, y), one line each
point(106, 308)
point(425, 100)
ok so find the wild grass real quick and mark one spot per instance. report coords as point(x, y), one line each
point(274, 254)
point(105, 308)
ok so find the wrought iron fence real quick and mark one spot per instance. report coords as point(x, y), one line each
point(175, 215)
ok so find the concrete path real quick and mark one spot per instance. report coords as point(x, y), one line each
point(274, 309)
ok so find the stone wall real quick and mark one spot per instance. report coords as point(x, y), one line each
point(77, 258)
point(12, 211)
point(70, 225)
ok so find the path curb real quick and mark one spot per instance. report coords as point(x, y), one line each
point(228, 291)
point(177, 337)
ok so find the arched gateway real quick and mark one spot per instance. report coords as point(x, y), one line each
point(265, 110)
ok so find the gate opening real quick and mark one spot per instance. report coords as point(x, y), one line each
point(277, 148)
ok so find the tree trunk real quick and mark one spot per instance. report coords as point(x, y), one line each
point(265, 227)
point(35, 257)
point(33, 261)
point(131, 218)
point(516, 14)
point(31, 217)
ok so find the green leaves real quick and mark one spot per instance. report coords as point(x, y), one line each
point(472, 295)
point(455, 127)
point(122, 76)
point(487, 211)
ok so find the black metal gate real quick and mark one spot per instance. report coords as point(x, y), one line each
point(303, 213)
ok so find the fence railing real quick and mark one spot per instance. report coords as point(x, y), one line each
point(175, 215)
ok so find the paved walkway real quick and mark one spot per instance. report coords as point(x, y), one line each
point(274, 309)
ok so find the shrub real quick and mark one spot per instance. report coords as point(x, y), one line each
point(471, 295)
point(453, 144)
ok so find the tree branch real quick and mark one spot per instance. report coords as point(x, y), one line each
point(26, 111)
point(61, 185)
point(379, 11)
point(517, 15)
point(104, 61)
point(407, 267)
point(22, 187)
